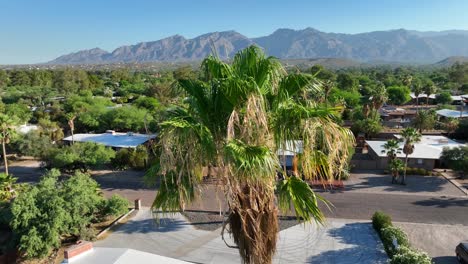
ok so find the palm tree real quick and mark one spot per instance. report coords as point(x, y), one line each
point(417, 90)
point(6, 131)
point(409, 136)
point(235, 120)
point(396, 166)
point(379, 96)
point(71, 123)
point(392, 148)
point(429, 88)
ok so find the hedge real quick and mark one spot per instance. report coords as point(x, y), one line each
point(403, 254)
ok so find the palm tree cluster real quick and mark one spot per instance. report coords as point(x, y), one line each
point(409, 137)
point(234, 120)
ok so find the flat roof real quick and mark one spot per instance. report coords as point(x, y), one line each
point(430, 147)
point(451, 113)
point(423, 95)
point(116, 140)
point(100, 255)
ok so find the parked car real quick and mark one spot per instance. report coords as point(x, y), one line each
point(462, 252)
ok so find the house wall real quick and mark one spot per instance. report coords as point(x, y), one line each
point(381, 163)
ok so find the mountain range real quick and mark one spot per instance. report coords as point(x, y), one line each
point(403, 46)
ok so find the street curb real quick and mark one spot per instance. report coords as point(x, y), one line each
point(457, 184)
point(114, 223)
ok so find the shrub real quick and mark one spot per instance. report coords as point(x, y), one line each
point(133, 158)
point(381, 220)
point(387, 234)
point(115, 206)
point(407, 255)
point(121, 160)
point(87, 233)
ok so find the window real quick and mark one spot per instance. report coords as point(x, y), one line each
point(420, 161)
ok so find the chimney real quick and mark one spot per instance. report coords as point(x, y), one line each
point(80, 248)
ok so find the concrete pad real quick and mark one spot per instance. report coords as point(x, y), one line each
point(161, 236)
point(439, 241)
point(340, 241)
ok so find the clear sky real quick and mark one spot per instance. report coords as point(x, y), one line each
point(33, 31)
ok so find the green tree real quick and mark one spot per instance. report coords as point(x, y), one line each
point(34, 144)
point(55, 208)
point(323, 74)
point(21, 111)
point(424, 120)
point(39, 218)
point(370, 125)
point(4, 79)
point(444, 98)
point(237, 119)
point(7, 187)
point(7, 130)
point(398, 95)
point(346, 81)
point(81, 187)
point(456, 158)
point(81, 156)
point(409, 137)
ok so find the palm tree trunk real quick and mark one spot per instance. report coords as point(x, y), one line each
point(73, 139)
point(5, 157)
point(417, 103)
point(403, 180)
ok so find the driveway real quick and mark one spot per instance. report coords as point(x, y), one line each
point(340, 241)
point(439, 241)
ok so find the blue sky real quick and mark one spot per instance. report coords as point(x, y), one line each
point(33, 31)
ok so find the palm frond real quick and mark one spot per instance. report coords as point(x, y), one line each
point(304, 200)
point(251, 163)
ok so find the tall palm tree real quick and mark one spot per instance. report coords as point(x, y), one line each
point(392, 149)
point(417, 90)
point(379, 96)
point(7, 130)
point(71, 123)
point(429, 88)
point(235, 120)
point(409, 137)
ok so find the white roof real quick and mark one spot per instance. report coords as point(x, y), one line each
point(24, 129)
point(430, 147)
point(292, 148)
point(459, 97)
point(116, 140)
point(100, 255)
point(451, 113)
point(431, 96)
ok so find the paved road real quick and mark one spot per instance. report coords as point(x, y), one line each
point(402, 208)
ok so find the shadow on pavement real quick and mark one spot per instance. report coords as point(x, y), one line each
point(445, 260)
point(444, 202)
point(415, 184)
point(359, 249)
point(145, 226)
